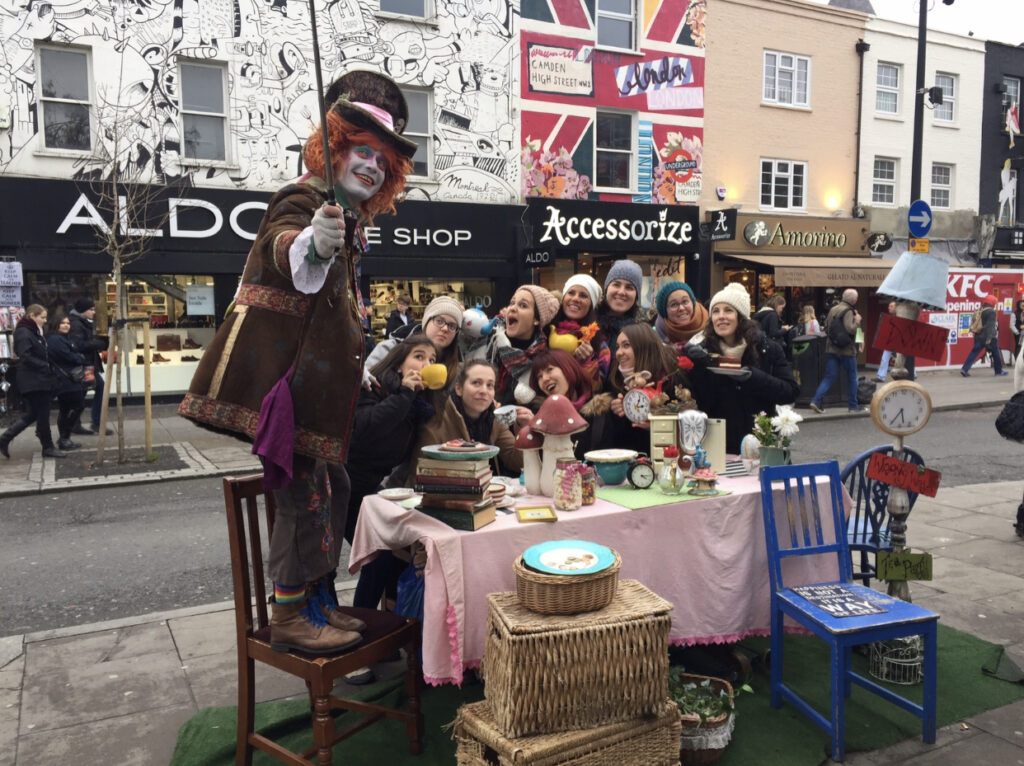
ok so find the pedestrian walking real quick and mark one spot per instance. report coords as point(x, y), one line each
point(986, 339)
point(35, 381)
point(83, 335)
point(841, 326)
point(1017, 327)
point(69, 366)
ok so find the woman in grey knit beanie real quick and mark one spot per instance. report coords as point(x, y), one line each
point(621, 304)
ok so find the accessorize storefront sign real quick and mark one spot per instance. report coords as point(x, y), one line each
point(612, 226)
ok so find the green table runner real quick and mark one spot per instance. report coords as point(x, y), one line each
point(633, 499)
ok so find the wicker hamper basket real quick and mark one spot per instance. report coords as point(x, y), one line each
point(565, 594)
point(549, 674)
point(650, 741)
point(701, 745)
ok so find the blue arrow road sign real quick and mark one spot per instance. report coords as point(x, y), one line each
point(919, 218)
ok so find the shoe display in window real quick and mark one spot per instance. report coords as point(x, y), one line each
point(190, 358)
point(190, 344)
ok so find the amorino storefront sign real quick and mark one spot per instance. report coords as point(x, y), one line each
point(799, 235)
point(611, 227)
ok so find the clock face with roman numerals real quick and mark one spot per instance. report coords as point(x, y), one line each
point(901, 407)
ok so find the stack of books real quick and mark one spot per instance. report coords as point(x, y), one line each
point(455, 491)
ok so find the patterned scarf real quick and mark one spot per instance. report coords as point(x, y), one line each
point(681, 333)
point(514, 362)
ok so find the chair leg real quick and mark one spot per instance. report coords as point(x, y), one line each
point(847, 670)
point(839, 673)
point(413, 674)
point(930, 683)
point(323, 726)
point(246, 711)
point(776, 661)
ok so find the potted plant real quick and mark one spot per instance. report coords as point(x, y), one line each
point(708, 715)
point(774, 434)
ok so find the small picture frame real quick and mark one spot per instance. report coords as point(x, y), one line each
point(527, 513)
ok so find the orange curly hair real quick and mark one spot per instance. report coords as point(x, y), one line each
point(343, 136)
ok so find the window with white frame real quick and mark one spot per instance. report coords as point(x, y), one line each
point(787, 79)
point(1012, 96)
point(887, 88)
point(782, 184)
point(419, 129)
point(417, 8)
point(945, 112)
point(203, 111)
point(942, 186)
point(613, 150)
point(883, 181)
point(65, 98)
point(616, 23)
point(1008, 203)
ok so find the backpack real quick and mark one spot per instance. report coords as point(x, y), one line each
point(976, 324)
point(836, 331)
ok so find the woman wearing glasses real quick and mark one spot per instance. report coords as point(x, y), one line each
point(442, 320)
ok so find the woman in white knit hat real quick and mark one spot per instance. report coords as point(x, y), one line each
point(581, 295)
point(442, 320)
point(764, 380)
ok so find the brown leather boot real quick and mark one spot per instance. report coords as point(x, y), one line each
point(293, 626)
point(322, 593)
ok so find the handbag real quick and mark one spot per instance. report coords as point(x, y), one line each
point(1010, 422)
point(77, 373)
point(168, 342)
point(88, 374)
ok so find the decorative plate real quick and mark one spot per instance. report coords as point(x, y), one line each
point(506, 502)
point(460, 453)
point(613, 455)
point(568, 557)
point(397, 493)
point(512, 486)
point(411, 502)
point(729, 372)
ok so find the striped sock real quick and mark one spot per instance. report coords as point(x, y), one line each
point(288, 594)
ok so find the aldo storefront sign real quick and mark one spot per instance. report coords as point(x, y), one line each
point(612, 226)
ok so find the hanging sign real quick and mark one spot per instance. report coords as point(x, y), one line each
point(905, 336)
point(10, 296)
point(10, 274)
point(900, 473)
point(900, 566)
point(199, 300)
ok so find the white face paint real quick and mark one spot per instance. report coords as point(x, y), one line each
point(361, 173)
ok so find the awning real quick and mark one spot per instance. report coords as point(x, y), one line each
point(821, 271)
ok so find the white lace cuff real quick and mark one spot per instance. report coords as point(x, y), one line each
point(307, 277)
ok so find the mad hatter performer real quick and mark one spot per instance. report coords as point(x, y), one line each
point(285, 367)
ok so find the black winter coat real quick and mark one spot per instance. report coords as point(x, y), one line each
point(83, 335)
point(34, 370)
point(395, 322)
point(64, 356)
point(771, 382)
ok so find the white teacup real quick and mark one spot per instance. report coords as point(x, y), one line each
point(506, 415)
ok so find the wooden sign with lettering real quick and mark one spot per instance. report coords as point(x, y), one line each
point(899, 473)
point(903, 565)
point(905, 336)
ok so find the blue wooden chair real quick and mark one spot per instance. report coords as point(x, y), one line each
point(800, 531)
point(867, 528)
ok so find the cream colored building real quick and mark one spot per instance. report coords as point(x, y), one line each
point(781, 107)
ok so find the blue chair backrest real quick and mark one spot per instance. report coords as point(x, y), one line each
point(799, 531)
point(869, 519)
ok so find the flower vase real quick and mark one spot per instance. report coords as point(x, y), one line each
point(671, 478)
point(775, 455)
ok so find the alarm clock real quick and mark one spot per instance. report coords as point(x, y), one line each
point(901, 407)
point(636, 404)
point(640, 472)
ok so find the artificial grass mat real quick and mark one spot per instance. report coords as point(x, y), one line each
point(763, 735)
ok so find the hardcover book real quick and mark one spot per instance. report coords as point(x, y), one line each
point(450, 490)
point(460, 481)
point(465, 506)
point(442, 472)
point(454, 465)
point(460, 520)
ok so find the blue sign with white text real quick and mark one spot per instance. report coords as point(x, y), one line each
point(919, 218)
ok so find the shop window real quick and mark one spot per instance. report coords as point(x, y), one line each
point(945, 111)
point(887, 88)
point(883, 183)
point(614, 150)
point(1008, 204)
point(65, 97)
point(419, 130)
point(203, 111)
point(782, 184)
point(942, 186)
point(787, 79)
point(1011, 98)
point(417, 8)
point(383, 297)
point(616, 24)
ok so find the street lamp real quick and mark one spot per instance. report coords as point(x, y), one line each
point(919, 91)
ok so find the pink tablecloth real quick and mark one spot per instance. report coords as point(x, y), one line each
point(706, 556)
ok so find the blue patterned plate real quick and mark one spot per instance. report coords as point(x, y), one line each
point(486, 451)
point(568, 557)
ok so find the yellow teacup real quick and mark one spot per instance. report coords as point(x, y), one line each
point(434, 376)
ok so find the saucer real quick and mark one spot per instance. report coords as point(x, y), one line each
point(397, 493)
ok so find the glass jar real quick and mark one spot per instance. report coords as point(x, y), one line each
point(671, 479)
point(568, 493)
point(589, 479)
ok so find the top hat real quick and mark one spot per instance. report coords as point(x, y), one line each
point(372, 101)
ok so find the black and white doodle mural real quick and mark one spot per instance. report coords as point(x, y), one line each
point(463, 57)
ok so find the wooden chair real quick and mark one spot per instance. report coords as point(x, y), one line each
point(803, 535)
point(385, 634)
point(867, 528)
